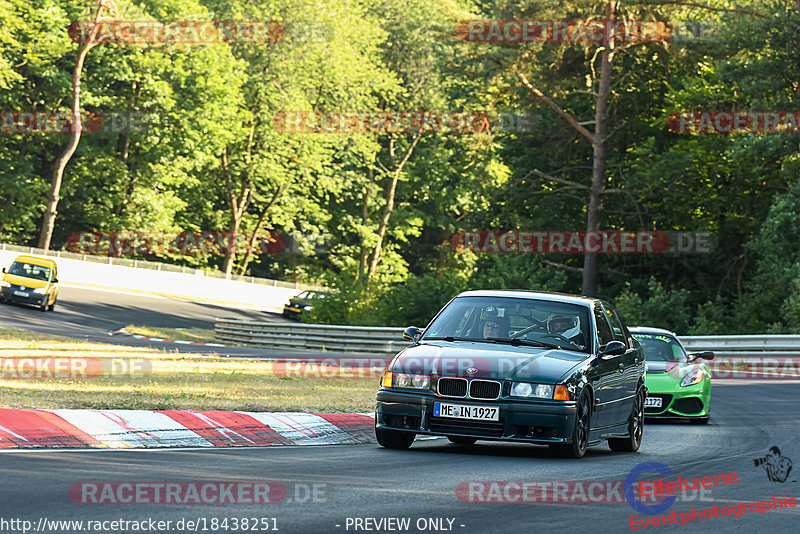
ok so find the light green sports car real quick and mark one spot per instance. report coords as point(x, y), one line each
point(679, 385)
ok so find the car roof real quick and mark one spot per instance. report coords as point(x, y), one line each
point(532, 295)
point(41, 262)
point(650, 330)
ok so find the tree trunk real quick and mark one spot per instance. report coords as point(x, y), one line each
point(238, 206)
point(590, 261)
point(49, 221)
point(261, 218)
point(389, 208)
point(363, 254)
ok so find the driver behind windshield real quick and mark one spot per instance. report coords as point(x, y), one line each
point(493, 327)
point(568, 327)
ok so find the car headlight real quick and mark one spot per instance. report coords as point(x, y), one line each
point(693, 377)
point(525, 389)
point(540, 391)
point(307, 308)
point(402, 380)
point(40, 290)
point(4, 283)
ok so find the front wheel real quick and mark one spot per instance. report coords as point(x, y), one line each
point(580, 432)
point(635, 428)
point(394, 439)
point(43, 306)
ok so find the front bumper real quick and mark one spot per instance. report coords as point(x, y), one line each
point(524, 421)
point(288, 312)
point(676, 401)
point(7, 293)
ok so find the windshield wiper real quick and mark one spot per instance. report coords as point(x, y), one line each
point(448, 338)
point(526, 342)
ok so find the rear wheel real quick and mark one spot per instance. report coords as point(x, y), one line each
point(394, 439)
point(580, 433)
point(461, 440)
point(635, 427)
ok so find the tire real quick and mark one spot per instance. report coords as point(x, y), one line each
point(580, 432)
point(461, 440)
point(394, 439)
point(52, 307)
point(43, 306)
point(635, 428)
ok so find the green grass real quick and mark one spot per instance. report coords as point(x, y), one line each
point(188, 334)
point(168, 381)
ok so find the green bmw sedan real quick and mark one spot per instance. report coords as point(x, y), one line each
point(544, 368)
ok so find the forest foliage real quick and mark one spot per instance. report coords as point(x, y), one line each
point(373, 215)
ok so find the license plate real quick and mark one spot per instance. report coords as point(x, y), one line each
point(297, 310)
point(652, 402)
point(464, 411)
point(22, 294)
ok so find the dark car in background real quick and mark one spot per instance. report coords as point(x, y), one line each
point(302, 302)
point(521, 366)
point(679, 384)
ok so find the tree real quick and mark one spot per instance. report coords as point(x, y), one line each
point(105, 9)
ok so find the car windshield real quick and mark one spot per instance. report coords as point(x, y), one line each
point(661, 348)
point(514, 320)
point(310, 295)
point(29, 270)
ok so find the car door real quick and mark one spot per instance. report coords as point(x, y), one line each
point(630, 364)
point(606, 371)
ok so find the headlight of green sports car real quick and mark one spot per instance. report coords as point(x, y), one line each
point(695, 376)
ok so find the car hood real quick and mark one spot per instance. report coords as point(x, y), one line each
point(32, 283)
point(475, 359)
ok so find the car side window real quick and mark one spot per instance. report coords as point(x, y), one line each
point(616, 325)
point(604, 334)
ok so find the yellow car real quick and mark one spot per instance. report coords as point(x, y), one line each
point(31, 280)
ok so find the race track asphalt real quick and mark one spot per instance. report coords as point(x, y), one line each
point(365, 481)
point(91, 314)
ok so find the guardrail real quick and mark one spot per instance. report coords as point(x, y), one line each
point(756, 356)
point(787, 346)
point(356, 339)
point(157, 266)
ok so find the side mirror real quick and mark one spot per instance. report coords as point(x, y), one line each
point(55, 280)
point(613, 348)
point(4, 270)
point(412, 333)
point(701, 355)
